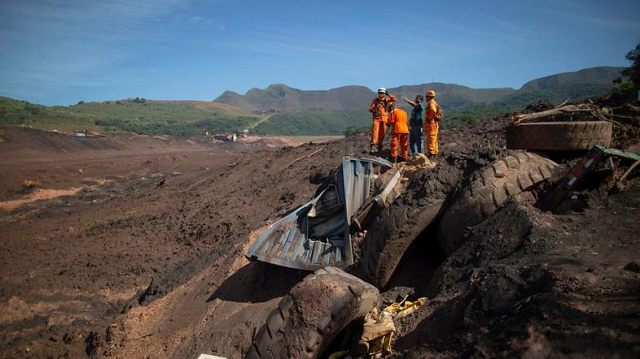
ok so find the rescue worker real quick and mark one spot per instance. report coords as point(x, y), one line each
point(431, 125)
point(378, 109)
point(415, 124)
point(399, 133)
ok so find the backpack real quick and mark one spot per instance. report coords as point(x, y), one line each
point(439, 114)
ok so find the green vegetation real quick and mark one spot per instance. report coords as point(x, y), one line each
point(135, 115)
point(147, 117)
point(16, 113)
point(633, 71)
point(473, 114)
point(313, 122)
point(557, 94)
point(462, 106)
point(353, 122)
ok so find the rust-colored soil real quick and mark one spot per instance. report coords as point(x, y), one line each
point(147, 258)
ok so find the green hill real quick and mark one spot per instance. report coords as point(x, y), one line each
point(283, 110)
point(313, 122)
point(602, 75)
point(131, 115)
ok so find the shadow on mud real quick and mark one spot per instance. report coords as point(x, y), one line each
point(419, 264)
point(258, 282)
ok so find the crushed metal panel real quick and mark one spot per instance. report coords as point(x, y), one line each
point(265, 248)
point(355, 176)
point(317, 234)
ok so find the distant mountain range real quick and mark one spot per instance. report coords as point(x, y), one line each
point(569, 85)
point(282, 110)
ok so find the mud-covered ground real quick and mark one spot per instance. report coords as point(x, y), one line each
point(146, 257)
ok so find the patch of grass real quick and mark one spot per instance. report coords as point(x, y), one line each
point(137, 115)
point(314, 122)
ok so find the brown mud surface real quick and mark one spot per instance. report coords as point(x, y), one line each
point(147, 258)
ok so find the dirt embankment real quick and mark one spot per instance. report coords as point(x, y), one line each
point(146, 223)
point(150, 262)
point(61, 160)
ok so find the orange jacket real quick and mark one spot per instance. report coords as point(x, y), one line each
point(398, 119)
point(430, 112)
point(378, 108)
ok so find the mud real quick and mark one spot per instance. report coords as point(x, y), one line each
point(531, 283)
point(147, 259)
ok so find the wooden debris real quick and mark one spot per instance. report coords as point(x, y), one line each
point(564, 110)
point(303, 157)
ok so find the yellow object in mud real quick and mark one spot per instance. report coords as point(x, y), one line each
point(30, 183)
point(378, 330)
point(379, 327)
point(406, 308)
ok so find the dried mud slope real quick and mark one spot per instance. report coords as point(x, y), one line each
point(74, 264)
point(166, 251)
point(216, 306)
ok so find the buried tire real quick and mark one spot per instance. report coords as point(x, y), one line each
point(314, 312)
point(579, 135)
point(488, 190)
point(389, 238)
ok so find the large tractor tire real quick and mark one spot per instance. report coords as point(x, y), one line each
point(314, 312)
point(389, 238)
point(488, 190)
point(579, 135)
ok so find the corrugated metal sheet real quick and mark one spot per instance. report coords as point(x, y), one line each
point(317, 234)
point(356, 176)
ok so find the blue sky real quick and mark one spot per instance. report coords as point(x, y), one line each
point(58, 52)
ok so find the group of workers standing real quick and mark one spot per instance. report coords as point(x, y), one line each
point(405, 134)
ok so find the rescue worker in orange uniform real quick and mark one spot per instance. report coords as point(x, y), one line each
point(431, 125)
point(399, 133)
point(378, 109)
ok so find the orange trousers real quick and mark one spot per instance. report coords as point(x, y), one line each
point(403, 140)
point(431, 129)
point(377, 133)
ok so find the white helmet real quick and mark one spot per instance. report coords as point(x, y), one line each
point(382, 90)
